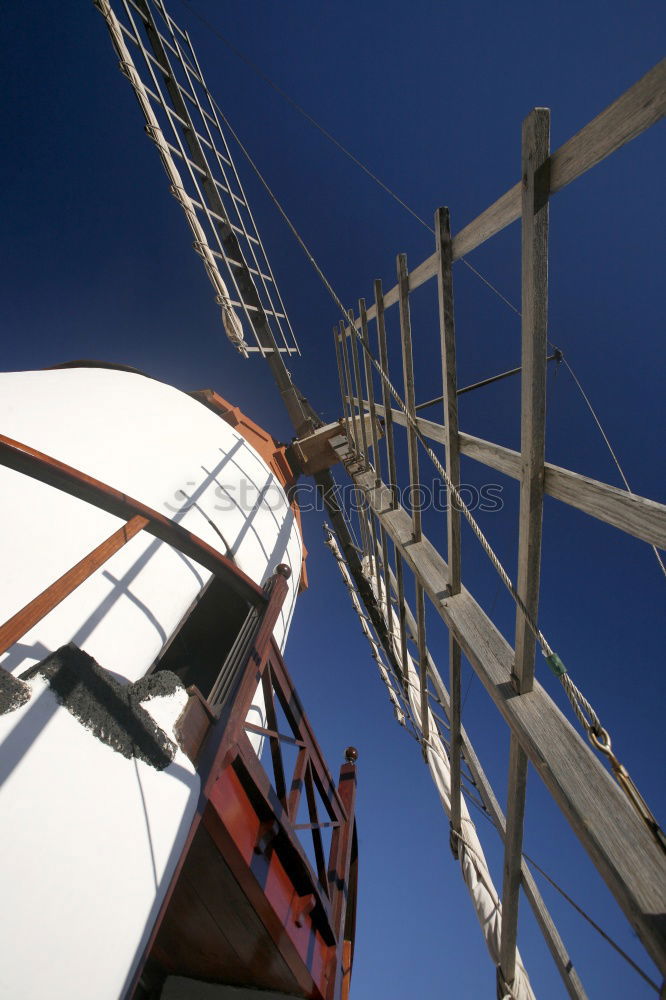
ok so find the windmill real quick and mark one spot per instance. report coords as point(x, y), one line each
point(632, 867)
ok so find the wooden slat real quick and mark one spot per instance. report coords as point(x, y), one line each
point(535, 150)
point(617, 840)
point(371, 392)
point(640, 107)
point(357, 393)
point(344, 390)
point(20, 623)
point(410, 397)
point(387, 412)
point(631, 513)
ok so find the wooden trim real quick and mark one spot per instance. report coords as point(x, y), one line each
point(371, 391)
point(22, 458)
point(619, 843)
point(631, 513)
point(32, 613)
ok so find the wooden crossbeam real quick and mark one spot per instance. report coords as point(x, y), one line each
point(447, 338)
point(631, 513)
point(617, 840)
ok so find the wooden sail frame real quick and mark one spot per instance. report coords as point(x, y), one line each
point(183, 121)
point(619, 842)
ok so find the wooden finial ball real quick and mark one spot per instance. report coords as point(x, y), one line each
point(351, 755)
point(283, 570)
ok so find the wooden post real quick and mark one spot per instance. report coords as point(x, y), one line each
point(338, 335)
point(447, 335)
point(371, 392)
point(341, 844)
point(355, 440)
point(386, 396)
point(410, 399)
point(535, 152)
point(359, 388)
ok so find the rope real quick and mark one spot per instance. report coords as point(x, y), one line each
point(593, 923)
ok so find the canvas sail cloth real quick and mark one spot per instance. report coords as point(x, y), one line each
point(473, 864)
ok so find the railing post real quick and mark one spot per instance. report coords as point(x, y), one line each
point(340, 863)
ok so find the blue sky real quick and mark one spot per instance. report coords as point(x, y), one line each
point(97, 263)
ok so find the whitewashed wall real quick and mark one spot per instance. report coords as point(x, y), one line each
point(90, 837)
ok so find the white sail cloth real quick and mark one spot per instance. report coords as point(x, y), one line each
point(473, 864)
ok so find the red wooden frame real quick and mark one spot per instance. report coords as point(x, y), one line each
point(138, 517)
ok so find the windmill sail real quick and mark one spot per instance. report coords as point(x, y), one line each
point(182, 119)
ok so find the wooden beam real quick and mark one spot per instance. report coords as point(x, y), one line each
point(344, 391)
point(536, 146)
point(447, 337)
point(640, 107)
point(371, 392)
point(410, 397)
point(386, 409)
point(315, 451)
point(631, 513)
point(535, 150)
point(355, 440)
point(619, 843)
point(359, 391)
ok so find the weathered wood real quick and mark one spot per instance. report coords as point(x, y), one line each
point(410, 396)
point(535, 150)
point(20, 623)
point(631, 513)
point(536, 146)
point(640, 107)
point(447, 336)
point(344, 392)
point(371, 391)
point(452, 456)
point(355, 440)
point(386, 409)
point(315, 451)
point(617, 840)
point(358, 393)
